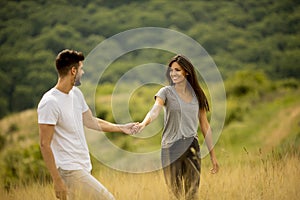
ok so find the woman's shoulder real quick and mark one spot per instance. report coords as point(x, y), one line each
point(167, 88)
point(165, 92)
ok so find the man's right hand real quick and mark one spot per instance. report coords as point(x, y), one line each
point(60, 189)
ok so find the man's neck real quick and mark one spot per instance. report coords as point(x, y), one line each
point(64, 85)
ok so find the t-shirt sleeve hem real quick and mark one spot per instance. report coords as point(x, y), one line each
point(46, 122)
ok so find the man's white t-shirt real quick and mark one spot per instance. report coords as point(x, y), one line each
point(64, 111)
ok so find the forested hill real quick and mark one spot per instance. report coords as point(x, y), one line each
point(237, 34)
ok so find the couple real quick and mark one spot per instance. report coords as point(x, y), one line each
point(63, 113)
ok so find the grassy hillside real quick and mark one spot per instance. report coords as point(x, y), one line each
point(258, 151)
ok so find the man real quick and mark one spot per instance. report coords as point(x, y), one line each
point(62, 114)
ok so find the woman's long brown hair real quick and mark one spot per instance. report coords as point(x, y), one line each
point(191, 78)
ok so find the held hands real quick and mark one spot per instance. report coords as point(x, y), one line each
point(139, 127)
point(132, 128)
point(127, 128)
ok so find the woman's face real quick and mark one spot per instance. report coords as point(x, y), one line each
point(177, 73)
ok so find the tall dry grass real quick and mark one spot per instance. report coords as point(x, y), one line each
point(243, 179)
point(256, 179)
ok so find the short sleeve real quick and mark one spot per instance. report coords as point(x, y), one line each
point(81, 98)
point(162, 94)
point(85, 107)
point(48, 112)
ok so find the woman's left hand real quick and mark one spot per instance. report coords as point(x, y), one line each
point(215, 168)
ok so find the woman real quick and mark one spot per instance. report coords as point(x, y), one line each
point(185, 105)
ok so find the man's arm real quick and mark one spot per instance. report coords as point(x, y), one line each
point(46, 134)
point(101, 125)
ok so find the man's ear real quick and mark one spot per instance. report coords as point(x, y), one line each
point(73, 70)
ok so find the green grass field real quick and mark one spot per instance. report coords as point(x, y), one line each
point(258, 153)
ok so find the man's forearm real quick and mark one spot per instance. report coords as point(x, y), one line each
point(106, 126)
point(99, 124)
point(50, 162)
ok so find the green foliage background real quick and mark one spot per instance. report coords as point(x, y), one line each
point(238, 35)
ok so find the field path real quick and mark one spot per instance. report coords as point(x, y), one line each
point(281, 126)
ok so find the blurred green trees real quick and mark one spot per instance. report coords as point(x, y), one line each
point(238, 35)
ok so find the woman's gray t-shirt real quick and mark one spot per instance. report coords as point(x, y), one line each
point(180, 119)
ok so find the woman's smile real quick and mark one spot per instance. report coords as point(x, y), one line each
point(177, 73)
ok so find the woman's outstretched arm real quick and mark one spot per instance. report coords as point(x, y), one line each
point(152, 114)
